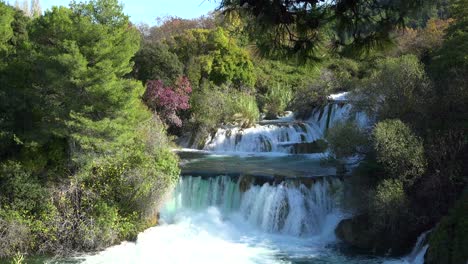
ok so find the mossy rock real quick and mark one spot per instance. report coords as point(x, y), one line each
point(245, 182)
point(357, 233)
point(448, 243)
point(317, 146)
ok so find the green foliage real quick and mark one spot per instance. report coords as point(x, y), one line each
point(346, 139)
point(154, 61)
point(293, 77)
point(398, 89)
point(311, 96)
point(19, 189)
point(14, 233)
point(389, 208)
point(18, 258)
point(6, 30)
point(300, 27)
point(215, 57)
point(276, 100)
point(449, 70)
point(243, 109)
point(344, 74)
point(214, 105)
point(449, 240)
point(399, 151)
point(209, 107)
point(83, 163)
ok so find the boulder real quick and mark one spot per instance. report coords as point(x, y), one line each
point(358, 233)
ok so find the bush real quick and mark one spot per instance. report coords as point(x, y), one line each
point(243, 109)
point(167, 101)
point(346, 139)
point(276, 100)
point(305, 99)
point(343, 74)
point(389, 206)
point(19, 190)
point(14, 234)
point(210, 106)
point(449, 241)
point(398, 89)
point(399, 151)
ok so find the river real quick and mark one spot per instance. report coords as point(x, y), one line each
point(249, 196)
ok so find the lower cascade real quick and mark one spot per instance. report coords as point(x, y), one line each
point(232, 220)
point(287, 208)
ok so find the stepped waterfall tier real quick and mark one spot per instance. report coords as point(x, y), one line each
point(288, 208)
point(208, 220)
point(255, 195)
point(284, 135)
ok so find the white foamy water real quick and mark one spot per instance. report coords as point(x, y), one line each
point(213, 221)
point(417, 254)
point(279, 135)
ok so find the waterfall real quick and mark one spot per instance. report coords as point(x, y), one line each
point(288, 208)
point(263, 138)
point(417, 253)
point(281, 135)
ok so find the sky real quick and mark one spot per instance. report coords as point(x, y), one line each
point(146, 11)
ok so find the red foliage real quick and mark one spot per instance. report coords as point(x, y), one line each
point(166, 100)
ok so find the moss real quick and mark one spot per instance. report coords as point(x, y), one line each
point(448, 243)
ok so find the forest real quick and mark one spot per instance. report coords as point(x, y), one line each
point(92, 106)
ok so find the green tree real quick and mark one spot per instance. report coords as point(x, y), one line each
point(399, 88)
point(449, 70)
point(389, 206)
point(215, 56)
point(154, 61)
point(298, 26)
point(399, 151)
point(347, 139)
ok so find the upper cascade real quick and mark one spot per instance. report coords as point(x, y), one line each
point(288, 134)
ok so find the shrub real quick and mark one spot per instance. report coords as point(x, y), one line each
point(399, 151)
point(14, 234)
point(243, 109)
point(343, 74)
point(167, 101)
point(346, 139)
point(398, 89)
point(154, 61)
point(210, 106)
point(276, 100)
point(312, 95)
point(449, 241)
point(19, 189)
point(388, 206)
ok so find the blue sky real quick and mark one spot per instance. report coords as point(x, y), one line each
point(147, 10)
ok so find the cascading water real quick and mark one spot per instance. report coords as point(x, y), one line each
point(271, 209)
point(282, 135)
point(288, 208)
point(262, 138)
point(232, 220)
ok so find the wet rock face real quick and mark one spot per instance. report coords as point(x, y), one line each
point(317, 146)
point(354, 232)
point(357, 232)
